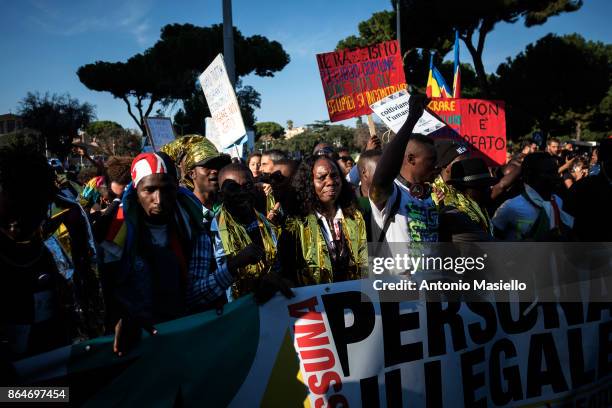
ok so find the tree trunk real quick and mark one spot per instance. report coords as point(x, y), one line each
point(578, 130)
point(481, 75)
point(138, 122)
point(476, 52)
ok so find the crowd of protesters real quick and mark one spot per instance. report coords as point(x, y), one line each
point(188, 229)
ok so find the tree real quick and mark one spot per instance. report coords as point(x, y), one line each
point(430, 25)
point(560, 83)
point(272, 129)
point(57, 117)
point(319, 126)
point(113, 139)
point(378, 28)
point(190, 119)
point(94, 129)
point(26, 137)
point(473, 18)
point(320, 131)
point(336, 135)
point(382, 27)
point(167, 71)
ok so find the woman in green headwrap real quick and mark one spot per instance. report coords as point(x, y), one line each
point(325, 236)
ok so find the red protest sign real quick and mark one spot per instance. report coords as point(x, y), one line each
point(480, 123)
point(355, 79)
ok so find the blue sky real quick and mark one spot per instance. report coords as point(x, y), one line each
point(43, 42)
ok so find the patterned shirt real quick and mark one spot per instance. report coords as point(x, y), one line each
point(209, 276)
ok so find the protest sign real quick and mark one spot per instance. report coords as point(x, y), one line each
point(482, 124)
point(355, 79)
point(222, 102)
point(160, 131)
point(337, 344)
point(393, 110)
point(212, 134)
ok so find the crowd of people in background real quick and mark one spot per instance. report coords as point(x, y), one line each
point(188, 229)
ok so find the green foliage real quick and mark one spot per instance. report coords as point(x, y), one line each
point(167, 71)
point(476, 17)
point(27, 137)
point(99, 126)
point(113, 139)
point(557, 84)
point(271, 129)
point(248, 100)
point(57, 117)
point(319, 131)
point(378, 28)
point(190, 119)
point(430, 24)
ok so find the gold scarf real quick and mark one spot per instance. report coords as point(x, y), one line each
point(463, 203)
point(316, 266)
point(188, 150)
point(235, 238)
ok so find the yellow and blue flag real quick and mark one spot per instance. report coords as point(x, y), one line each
point(436, 86)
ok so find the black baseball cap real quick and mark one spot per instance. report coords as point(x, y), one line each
point(447, 151)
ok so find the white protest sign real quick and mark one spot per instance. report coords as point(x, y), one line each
point(212, 134)
point(393, 110)
point(222, 102)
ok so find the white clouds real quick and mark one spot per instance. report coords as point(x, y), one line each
point(101, 16)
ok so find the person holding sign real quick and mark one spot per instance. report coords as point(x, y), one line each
point(400, 193)
point(325, 237)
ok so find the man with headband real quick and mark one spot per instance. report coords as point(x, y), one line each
point(172, 261)
point(200, 162)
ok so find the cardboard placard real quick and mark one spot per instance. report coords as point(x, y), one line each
point(222, 102)
point(355, 79)
point(160, 131)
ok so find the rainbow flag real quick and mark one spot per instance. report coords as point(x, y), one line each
point(436, 86)
point(457, 69)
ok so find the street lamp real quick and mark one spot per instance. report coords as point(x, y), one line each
point(228, 41)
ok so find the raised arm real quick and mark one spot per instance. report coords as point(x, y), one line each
point(392, 158)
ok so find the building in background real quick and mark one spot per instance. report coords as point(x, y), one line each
point(10, 123)
point(289, 133)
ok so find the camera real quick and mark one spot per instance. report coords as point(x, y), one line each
point(270, 178)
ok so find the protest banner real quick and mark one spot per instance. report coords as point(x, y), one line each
point(160, 131)
point(393, 111)
point(222, 102)
point(337, 344)
point(481, 123)
point(355, 79)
